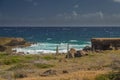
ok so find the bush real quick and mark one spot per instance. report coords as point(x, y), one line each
point(21, 66)
point(102, 77)
point(38, 65)
point(109, 76)
point(8, 61)
point(19, 74)
point(49, 57)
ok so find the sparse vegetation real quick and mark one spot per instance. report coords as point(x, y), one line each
point(26, 67)
point(43, 65)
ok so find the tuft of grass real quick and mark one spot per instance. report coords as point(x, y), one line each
point(109, 76)
point(19, 74)
point(38, 65)
point(49, 57)
point(21, 66)
point(11, 60)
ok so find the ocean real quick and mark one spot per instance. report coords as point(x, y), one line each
point(47, 38)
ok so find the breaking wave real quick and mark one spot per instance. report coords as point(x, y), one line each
point(50, 48)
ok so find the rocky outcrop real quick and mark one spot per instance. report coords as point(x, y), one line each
point(74, 53)
point(9, 43)
point(16, 41)
point(105, 43)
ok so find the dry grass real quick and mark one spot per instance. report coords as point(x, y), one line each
point(78, 75)
point(83, 68)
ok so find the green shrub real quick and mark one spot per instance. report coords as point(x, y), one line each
point(109, 76)
point(2, 55)
point(20, 66)
point(8, 61)
point(102, 77)
point(49, 57)
point(38, 65)
point(20, 74)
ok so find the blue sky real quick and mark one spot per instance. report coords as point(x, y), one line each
point(59, 12)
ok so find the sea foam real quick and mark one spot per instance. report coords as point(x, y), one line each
point(49, 48)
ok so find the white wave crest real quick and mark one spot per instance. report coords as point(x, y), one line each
point(49, 48)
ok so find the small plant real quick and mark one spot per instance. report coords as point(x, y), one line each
point(19, 74)
point(20, 66)
point(49, 57)
point(102, 77)
point(109, 76)
point(43, 65)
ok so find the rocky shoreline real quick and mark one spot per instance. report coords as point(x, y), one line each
point(7, 43)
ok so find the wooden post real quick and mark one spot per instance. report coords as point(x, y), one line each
point(57, 50)
point(68, 50)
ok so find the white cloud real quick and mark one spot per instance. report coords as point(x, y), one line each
point(75, 13)
point(76, 6)
point(96, 14)
point(101, 14)
point(116, 0)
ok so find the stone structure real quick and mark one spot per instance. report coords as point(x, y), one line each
point(105, 43)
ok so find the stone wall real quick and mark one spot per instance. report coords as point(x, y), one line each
point(105, 43)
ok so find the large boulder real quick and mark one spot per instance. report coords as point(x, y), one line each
point(71, 53)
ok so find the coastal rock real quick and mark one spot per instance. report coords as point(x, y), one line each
point(6, 43)
point(48, 73)
point(2, 48)
point(74, 53)
point(16, 41)
point(83, 53)
point(87, 48)
point(105, 43)
point(78, 54)
point(71, 53)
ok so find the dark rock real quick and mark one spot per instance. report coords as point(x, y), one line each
point(20, 75)
point(48, 73)
point(105, 43)
point(87, 48)
point(16, 41)
point(2, 48)
point(78, 54)
point(65, 71)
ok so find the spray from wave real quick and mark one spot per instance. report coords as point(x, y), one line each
point(50, 47)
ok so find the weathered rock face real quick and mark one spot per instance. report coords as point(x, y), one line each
point(105, 43)
point(16, 41)
point(74, 53)
point(8, 43)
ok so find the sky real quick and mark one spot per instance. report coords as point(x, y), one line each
point(59, 12)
